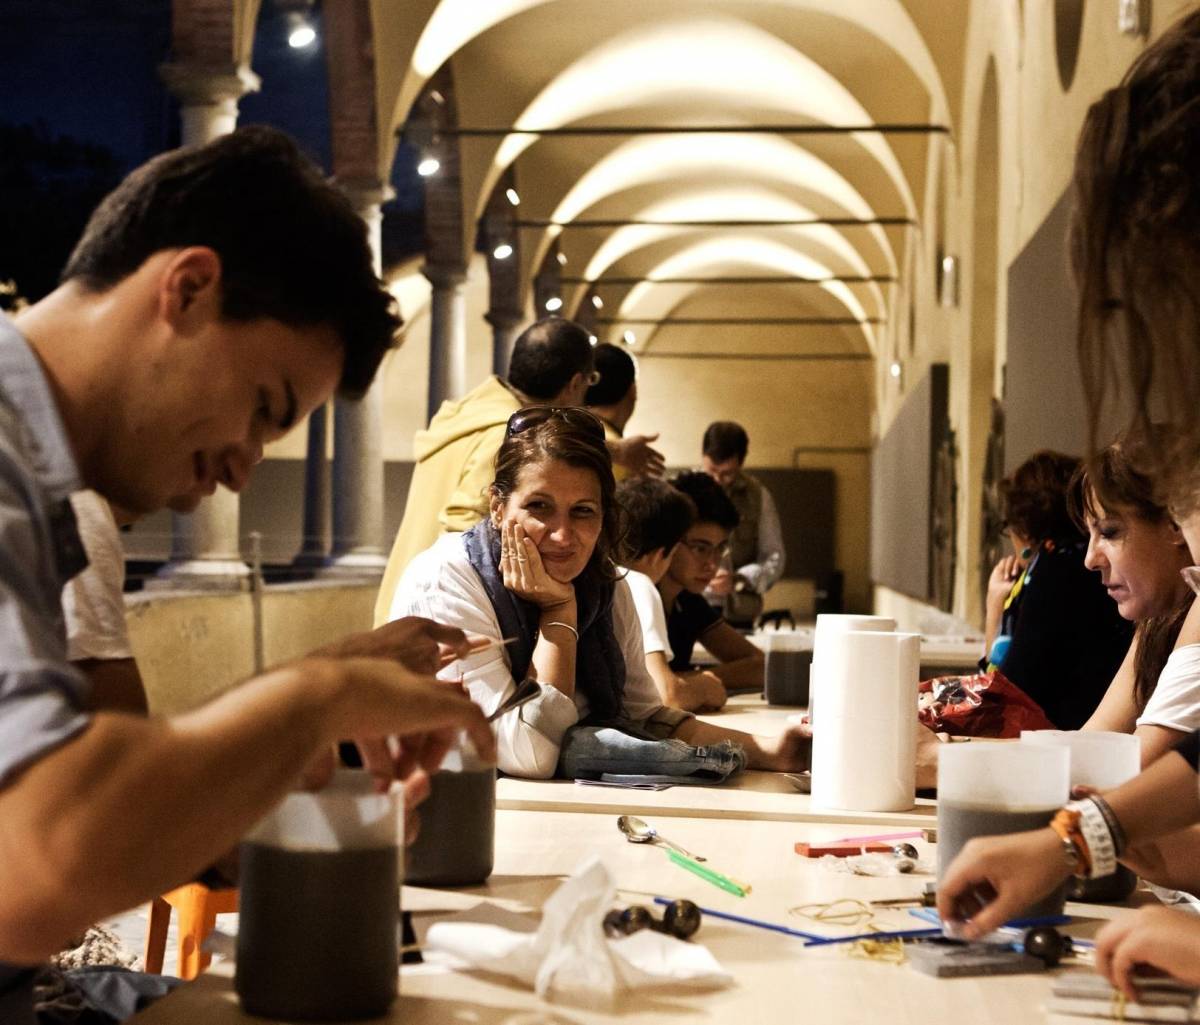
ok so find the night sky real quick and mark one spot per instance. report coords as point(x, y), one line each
point(87, 70)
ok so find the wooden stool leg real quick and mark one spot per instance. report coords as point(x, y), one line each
point(156, 936)
point(197, 918)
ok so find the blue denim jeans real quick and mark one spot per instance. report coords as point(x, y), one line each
point(629, 752)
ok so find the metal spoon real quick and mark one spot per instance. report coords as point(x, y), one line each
point(637, 831)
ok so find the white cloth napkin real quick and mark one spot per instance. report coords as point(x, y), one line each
point(567, 957)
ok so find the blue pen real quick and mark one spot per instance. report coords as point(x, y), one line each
point(743, 920)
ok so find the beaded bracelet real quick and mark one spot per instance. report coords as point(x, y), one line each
point(1102, 850)
point(1120, 841)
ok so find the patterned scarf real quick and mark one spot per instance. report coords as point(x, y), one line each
point(599, 664)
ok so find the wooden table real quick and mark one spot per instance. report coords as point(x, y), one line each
point(751, 795)
point(777, 979)
point(766, 796)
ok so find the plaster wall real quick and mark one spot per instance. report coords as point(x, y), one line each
point(1037, 121)
point(192, 646)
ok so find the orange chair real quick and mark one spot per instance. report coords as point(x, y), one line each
point(198, 907)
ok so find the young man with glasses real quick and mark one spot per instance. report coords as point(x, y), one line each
point(689, 616)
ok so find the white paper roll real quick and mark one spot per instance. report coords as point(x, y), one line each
point(828, 626)
point(865, 745)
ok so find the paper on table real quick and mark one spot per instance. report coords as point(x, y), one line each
point(567, 957)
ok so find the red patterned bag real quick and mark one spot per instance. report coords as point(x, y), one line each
point(983, 705)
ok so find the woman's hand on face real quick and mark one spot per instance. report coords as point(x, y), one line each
point(1161, 939)
point(1000, 582)
point(524, 573)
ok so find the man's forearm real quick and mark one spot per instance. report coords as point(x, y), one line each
point(694, 692)
point(698, 734)
point(742, 672)
point(160, 801)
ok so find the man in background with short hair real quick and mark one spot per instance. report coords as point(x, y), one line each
point(756, 545)
point(613, 398)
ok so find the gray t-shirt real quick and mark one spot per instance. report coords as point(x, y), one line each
point(42, 698)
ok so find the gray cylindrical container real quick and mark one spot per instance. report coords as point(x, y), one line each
point(456, 843)
point(320, 896)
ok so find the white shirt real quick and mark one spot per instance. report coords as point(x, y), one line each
point(441, 585)
point(1175, 702)
point(651, 614)
point(93, 601)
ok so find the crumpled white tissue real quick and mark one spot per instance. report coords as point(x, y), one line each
point(567, 957)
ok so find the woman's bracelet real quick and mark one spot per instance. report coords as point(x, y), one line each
point(1089, 839)
point(565, 626)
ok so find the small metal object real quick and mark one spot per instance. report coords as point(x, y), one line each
point(637, 831)
point(681, 919)
point(905, 850)
point(1047, 944)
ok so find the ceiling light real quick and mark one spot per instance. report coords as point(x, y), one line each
point(503, 251)
point(553, 304)
point(629, 338)
point(428, 166)
point(597, 302)
point(593, 339)
point(513, 197)
point(301, 34)
point(562, 259)
point(895, 369)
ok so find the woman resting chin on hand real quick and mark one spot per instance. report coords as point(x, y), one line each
point(539, 574)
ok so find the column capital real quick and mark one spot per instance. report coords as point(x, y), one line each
point(442, 275)
point(364, 192)
point(504, 319)
point(196, 84)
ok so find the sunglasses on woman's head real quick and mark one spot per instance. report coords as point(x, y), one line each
point(574, 416)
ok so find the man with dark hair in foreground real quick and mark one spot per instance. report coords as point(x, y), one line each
point(218, 296)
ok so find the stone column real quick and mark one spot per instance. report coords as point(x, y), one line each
point(358, 541)
point(447, 334)
point(506, 325)
point(314, 543)
point(205, 552)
